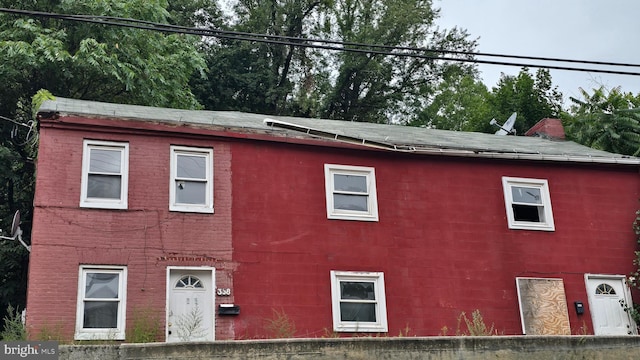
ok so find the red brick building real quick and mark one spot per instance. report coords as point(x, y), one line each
point(218, 223)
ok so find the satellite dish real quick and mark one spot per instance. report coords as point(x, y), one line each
point(15, 225)
point(16, 232)
point(507, 127)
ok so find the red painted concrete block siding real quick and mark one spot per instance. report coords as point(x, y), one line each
point(146, 237)
point(442, 240)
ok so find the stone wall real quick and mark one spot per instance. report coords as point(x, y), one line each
point(433, 348)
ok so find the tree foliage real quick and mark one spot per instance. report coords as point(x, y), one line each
point(259, 77)
point(605, 119)
point(461, 103)
point(97, 62)
point(290, 80)
point(533, 97)
point(464, 103)
point(373, 87)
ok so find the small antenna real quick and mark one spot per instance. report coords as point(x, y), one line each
point(507, 127)
point(16, 232)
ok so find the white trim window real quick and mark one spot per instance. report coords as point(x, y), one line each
point(528, 204)
point(358, 301)
point(191, 188)
point(351, 192)
point(101, 309)
point(105, 174)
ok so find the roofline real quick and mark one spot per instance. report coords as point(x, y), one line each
point(333, 139)
point(450, 152)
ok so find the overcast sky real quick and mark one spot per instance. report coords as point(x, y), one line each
point(597, 30)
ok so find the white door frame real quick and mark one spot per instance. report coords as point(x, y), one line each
point(626, 294)
point(168, 294)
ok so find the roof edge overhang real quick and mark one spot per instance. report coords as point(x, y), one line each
point(450, 151)
point(285, 132)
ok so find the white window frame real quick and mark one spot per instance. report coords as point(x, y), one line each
point(547, 212)
point(332, 213)
point(117, 333)
point(105, 203)
point(380, 300)
point(207, 207)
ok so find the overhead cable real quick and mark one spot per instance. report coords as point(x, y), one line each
point(334, 45)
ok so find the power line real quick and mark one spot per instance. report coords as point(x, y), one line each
point(373, 49)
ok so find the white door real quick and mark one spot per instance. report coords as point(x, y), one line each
point(190, 312)
point(606, 298)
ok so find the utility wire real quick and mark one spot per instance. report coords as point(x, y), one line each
point(233, 34)
point(372, 49)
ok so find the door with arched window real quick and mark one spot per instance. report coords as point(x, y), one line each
point(190, 312)
point(608, 296)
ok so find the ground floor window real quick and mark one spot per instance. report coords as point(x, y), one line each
point(101, 303)
point(358, 301)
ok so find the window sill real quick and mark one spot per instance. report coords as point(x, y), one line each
point(103, 205)
point(361, 328)
point(356, 217)
point(191, 209)
point(100, 335)
point(532, 226)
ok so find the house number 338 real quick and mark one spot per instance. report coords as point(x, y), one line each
point(223, 292)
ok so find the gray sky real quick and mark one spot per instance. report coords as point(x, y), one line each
point(600, 30)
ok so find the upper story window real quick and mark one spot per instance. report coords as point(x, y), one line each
point(528, 204)
point(101, 306)
point(191, 188)
point(358, 301)
point(351, 192)
point(104, 174)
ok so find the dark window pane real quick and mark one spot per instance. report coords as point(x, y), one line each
point(357, 290)
point(100, 314)
point(605, 289)
point(104, 186)
point(351, 202)
point(192, 167)
point(104, 161)
point(189, 282)
point(357, 312)
point(526, 195)
point(528, 213)
point(102, 286)
point(353, 183)
point(191, 192)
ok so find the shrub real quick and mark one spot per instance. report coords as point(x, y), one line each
point(14, 329)
point(145, 327)
point(476, 326)
point(280, 326)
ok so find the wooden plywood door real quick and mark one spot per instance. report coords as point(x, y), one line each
point(543, 306)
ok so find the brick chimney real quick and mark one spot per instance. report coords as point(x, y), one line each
point(548, 129)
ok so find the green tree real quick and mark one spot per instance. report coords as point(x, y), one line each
point(97, 62)
point(379, 88)
point(78, 60)
point(461, 103)
point(293, 80)
point(260, 77)
point(606, 120)
point(532, 97)
point(18, 144)
point(195, 13)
